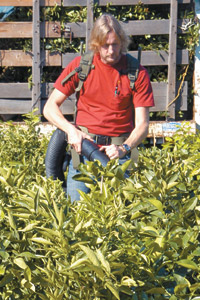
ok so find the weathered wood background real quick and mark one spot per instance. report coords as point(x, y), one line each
point(17, 98)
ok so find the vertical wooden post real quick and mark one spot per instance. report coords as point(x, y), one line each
point(90, 17)
point(171, 91)
point(36, 74)
point(197, 74)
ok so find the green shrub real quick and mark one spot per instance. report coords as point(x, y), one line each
point(129, 238)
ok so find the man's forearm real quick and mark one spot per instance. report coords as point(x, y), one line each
point(138, 134)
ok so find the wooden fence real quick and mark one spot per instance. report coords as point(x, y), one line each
point(18, 98)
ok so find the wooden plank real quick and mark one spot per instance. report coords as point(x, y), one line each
point(47, 88)
point(160, 97)
point(19, 58)
point(161, 58)
point(14, 90)
point(89, 23)
point(24, 29)
point(121, 2)
point(52, 29)
point(148, 58)
point(171, 91)
point(13, 106)
point(11, 91)
point(196, 106)
point(36, 62)
point(135, 28)
point(29, 2)
point(154, 27)
point(15, 29)
point(52, 58)
point(15, 58)
point(78, 29)
point(134, 2)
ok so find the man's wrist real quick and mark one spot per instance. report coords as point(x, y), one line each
point(126, 148)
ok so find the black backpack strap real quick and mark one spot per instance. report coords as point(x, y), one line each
point(133, 65)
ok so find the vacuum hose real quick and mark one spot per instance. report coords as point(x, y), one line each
point(56, 155)
point(91, 151)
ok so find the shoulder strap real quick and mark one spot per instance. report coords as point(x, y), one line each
point(86, 66)
point(132, 69)
point(83, 70)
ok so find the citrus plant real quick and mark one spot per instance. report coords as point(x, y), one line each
point(132, 237)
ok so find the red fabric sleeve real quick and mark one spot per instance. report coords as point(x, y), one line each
point(143, 94)
point(70, 86)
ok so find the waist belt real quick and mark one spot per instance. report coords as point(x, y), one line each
point(104, 139)
point(108, 140)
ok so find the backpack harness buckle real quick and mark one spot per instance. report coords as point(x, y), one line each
point(102, 139)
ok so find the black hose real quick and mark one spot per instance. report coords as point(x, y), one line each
point(56, 155)
point(91, 151)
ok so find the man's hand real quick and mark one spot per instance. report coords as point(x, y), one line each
point(75, 138)
point(113, 151)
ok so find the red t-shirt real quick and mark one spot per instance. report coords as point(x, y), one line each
point(106, 102)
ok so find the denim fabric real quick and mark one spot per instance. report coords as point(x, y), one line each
point(73, 186)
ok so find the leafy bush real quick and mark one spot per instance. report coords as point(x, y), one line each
point(129, 238)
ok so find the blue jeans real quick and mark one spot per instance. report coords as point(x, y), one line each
point(73, 186)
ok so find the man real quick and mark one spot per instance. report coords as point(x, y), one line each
point(106, 101)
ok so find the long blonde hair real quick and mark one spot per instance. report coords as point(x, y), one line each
point(103, 25)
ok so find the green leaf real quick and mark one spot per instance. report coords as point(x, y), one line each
point(78, 263)
point(182, 187)
point(173, 179)
point(149, 175)
point(78, 226)
point(113, 289)
point(21, 180)
point(158, 290)
point(127, 281)
point(125, 165)
point(172, 184)
point(30, 255)
point(2, 270)
point(157, 204)
point(4, 254)
point(98, 270)
point(91, 255)
point(3, 180)
point(11, 220)
point(6, 280)
point(186, 263)
point(29, 227)
point(27, 274)
point(180, 288)
point(28, 193)
point(151, 230)
point(20, 263)
point(36, 201)
point(40, 240)
point(103, 261)
point(83, 178)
